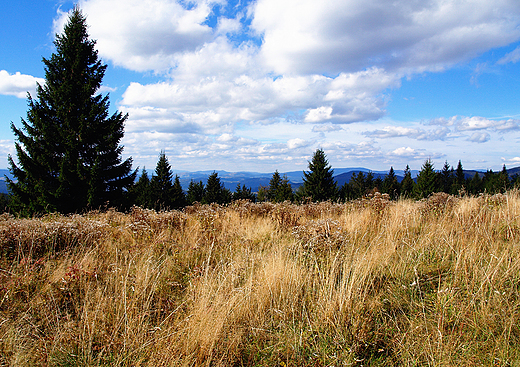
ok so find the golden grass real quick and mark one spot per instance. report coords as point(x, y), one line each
point(372, 282)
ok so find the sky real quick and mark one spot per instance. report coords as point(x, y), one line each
point(259, 85)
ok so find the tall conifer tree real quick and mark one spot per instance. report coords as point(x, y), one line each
point(215, 192)
point(141, 191)
point(318, 183)
point(178, 196)
point(161, 184)
point(195, 192)
point(274, 185)
point(446, 177)
point(407, 184)
point(459, 179)
point(426, 180)
point(68, 151)
point(280, 189)
point(391, 184)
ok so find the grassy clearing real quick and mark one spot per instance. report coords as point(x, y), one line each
point(373, 282)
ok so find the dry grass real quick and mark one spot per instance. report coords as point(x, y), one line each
point(372, 282)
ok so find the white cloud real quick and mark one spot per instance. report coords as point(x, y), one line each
point(464, 123)
point(237, 93)
point(297, 143)
point(474, 123)
point(479, 137)
point(144, 34)
point(442, 121)
point(318, 114)
point(389, 132)
point(305, 36)
point(514, 160)
point(512, 57)
point(18, 84)
point(326, 128)
point(228, 25)
point(404, 152)
point(507, 125)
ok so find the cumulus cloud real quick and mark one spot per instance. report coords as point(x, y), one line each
point(229, 98)
point(442, 121)
point(297, 143)
point(236, 140)
point(144, 35)
point(389, 132)
point(404, 152)
point(305, 36)
point(479, 137)
point(474, 123)
point(319, 114)
point(18, 84)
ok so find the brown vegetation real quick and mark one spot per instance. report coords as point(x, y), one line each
point(373, 282)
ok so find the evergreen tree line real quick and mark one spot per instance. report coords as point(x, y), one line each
point(163, 191)
point(449, 180)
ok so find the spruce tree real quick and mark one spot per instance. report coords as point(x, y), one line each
point(285, 192)
point(459, 179)
point(262, 193)
point(274, 185)
point(215, 191)
point(243, 193)
point(490, 181)
point(161, 185)
point(280, 189)
point(141, 191)
point(475, 184)
point(503, 183)
point(369, 181)
point(391, 185)
point(178, 199)
point(407, 184)
point(358, 185)
point(318, 183)
point(195, 192)
point(68, 151)
point(426, 180)
point(346, 192)
point(446, 177)
point(4, 203)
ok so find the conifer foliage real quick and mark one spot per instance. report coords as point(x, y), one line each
point(426, 180)
point(215, 192)
point(68, 151)
point(161, 184)
point(280, 189)
point(318, 183)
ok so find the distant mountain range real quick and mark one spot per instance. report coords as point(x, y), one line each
point(3, 184)
point(256, 179)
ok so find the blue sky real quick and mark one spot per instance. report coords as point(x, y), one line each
point(260, 85)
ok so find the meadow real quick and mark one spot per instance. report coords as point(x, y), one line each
point(372, 282)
